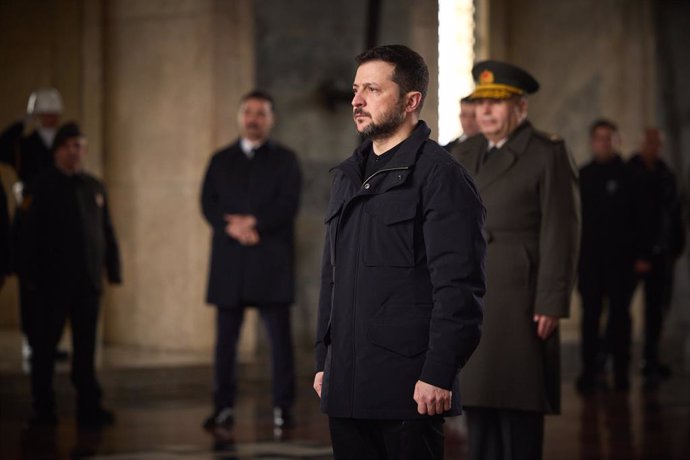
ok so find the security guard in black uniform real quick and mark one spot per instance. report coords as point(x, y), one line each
point(66, 242)
point(606, 260)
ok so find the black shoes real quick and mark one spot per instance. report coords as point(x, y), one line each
point(224, 418)
point(283, 418)
point(654, 374)
point(97, 417)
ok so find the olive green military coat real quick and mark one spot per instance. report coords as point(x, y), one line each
point(529, 188)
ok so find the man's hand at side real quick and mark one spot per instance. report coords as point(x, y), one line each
point(545, 325)
point(431, 400)
point(318, 383)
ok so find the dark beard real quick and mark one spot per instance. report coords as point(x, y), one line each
point(389, 125)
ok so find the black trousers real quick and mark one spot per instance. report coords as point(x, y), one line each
point(496, 434)
point(658, 284)
point(48, 317)
point(276, 319)
point(357, 439)
point(613, 285)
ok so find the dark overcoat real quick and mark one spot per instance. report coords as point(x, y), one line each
point(402, 281)
point(530, 192)
point(267, 187)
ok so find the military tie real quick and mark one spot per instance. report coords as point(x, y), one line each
point(489, 153)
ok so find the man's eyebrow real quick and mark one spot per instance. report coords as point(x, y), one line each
point(365, 84)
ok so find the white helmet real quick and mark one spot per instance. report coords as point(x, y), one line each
point(44, 100)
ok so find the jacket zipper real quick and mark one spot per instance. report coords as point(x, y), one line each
point(399, 168)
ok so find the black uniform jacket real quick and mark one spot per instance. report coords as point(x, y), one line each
point(608, 217)
point(660, 227)
point(402, 281)
point(267, 187)
point(66, 236)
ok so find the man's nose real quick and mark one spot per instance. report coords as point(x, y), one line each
point(357, 100)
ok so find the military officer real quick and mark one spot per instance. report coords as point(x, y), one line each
point(528, 184)
point(468, 123)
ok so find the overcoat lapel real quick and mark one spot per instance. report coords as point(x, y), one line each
point(499, 163)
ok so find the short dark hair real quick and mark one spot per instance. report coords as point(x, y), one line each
point(258, 94)
point(411, 72)
point(602, 123)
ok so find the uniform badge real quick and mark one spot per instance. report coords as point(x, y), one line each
point(100, 201)
point(486, 77)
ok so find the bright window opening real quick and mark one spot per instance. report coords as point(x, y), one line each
point(455, 59)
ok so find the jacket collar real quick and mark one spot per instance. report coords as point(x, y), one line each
point(405, 157)
point(500, 163)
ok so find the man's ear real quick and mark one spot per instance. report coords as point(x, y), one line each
point(414, 100)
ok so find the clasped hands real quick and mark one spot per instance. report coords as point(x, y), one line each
point(242, 227)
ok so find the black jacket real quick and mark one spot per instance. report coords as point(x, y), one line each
point(609, 223)
point(66, 237)
point(27, 155)
point(402, 281)
point(660, 227)
point(268, 187)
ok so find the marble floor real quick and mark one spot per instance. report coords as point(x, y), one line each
point(161, 399)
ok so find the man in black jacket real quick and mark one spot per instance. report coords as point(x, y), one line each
point(661, 240)
point(250, 197)
point(606, 258)
point(67, 241)
point(403, 273)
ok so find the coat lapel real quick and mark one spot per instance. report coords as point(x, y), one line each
point(502, 161)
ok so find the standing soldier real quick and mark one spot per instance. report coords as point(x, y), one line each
point(67, 242)
point(29, 155)
point(528, 184)
point(468, 123)
point(606, 259)
point(250, 197)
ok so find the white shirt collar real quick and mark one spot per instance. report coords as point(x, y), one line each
point(248, 147)
point(498, 144)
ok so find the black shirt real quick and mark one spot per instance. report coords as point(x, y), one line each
point(374, 163)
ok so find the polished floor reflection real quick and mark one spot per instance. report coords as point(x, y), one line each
point(161, 402)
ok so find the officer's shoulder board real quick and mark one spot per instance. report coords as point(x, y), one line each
point(551, 137)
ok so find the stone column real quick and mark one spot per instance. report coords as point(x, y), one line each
point(174, 73)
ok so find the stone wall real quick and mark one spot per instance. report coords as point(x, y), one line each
point(308, 66)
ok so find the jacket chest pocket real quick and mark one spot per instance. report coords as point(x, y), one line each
point(332, 219)
point(388, 239)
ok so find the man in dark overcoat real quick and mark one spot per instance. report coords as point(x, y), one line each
point(529, 187)
point(67, 242)
point(250, 198)
point(400, 309)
